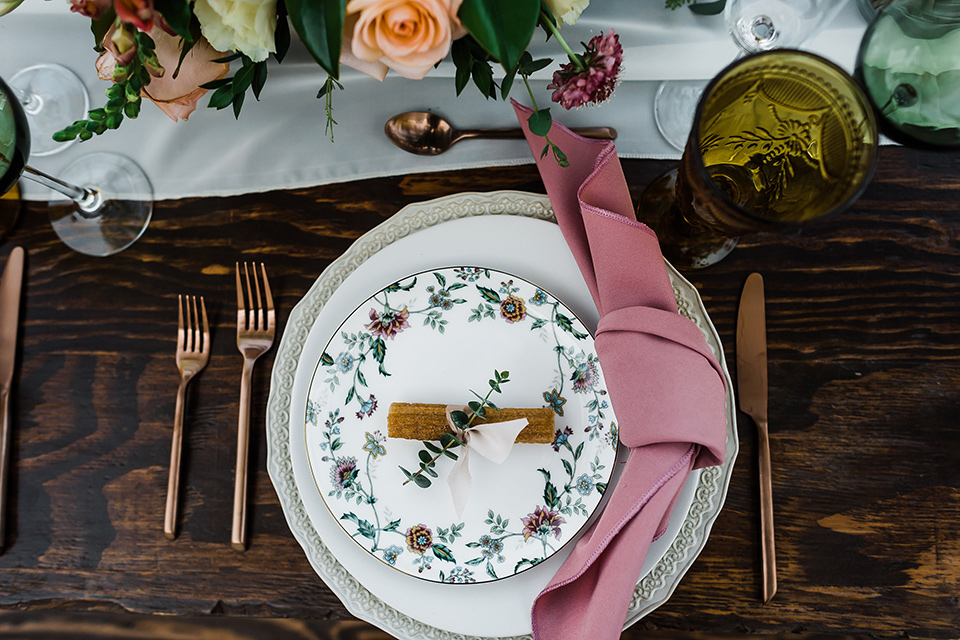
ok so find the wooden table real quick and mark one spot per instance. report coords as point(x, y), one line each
point(864, 333)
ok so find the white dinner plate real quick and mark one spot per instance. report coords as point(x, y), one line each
point(512, 232)
point(445, 336)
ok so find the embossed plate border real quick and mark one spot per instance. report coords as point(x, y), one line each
point(653, 589)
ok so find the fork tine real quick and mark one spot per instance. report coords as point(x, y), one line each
point(180, 335)
point(266, 289)
point(189, 345)
point(196, 325)
point(251, 317)
point(259, 308)
point(241, 310)
point(206, 327)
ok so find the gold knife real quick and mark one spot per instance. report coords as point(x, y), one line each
point(10, 284)
point(752, 389)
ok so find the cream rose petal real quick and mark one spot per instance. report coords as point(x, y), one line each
point(247, 26)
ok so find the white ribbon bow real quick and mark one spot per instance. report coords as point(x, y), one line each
point(492, 440)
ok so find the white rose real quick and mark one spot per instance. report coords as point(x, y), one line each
point(567, 11)
point(246, 26)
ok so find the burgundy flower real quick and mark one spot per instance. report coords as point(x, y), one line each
point(390, 323)
point(542, 521)
point(343, 473)
point(367, 407)
point(595, 81)
point(419, 538)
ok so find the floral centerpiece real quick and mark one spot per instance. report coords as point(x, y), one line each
point(173, 52)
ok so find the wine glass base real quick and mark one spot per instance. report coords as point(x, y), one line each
point(674, 107)
point(684, 246)
point(55, 98)
point(123, 214)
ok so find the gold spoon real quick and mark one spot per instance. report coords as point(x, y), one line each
point(427, 134)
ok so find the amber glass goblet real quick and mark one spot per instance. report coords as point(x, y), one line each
point(779, 138)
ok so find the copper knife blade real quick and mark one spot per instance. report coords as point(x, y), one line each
point(10, 285)
point(752, 392)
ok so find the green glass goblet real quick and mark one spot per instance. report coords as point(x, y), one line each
point(779, 138)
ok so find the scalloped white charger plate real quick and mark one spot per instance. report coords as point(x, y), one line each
point(512, 232)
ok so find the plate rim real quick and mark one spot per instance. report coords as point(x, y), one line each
point(652, 590)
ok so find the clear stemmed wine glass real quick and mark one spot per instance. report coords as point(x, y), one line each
point(755, 26)
point(110, 198)
point(779, 138)
point(52, 96)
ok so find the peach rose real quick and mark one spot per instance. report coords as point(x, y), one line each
point(176, 97)
point(408, 36)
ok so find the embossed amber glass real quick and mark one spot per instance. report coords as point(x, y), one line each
point(780, 138)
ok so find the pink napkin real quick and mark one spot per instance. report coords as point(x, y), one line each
point(667, 389)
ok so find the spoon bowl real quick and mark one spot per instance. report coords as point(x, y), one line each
point(428, 134)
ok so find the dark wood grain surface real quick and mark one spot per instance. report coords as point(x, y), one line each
point(863, 314)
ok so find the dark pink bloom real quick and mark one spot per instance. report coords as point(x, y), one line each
point(575, 87)
point(139, 13)
point(90, 8)
point(390, 323)
point(542, 521)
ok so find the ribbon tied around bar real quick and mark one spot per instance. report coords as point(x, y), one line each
point(492, 440)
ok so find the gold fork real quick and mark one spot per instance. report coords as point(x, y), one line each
point(255, 328)
point(193, 352)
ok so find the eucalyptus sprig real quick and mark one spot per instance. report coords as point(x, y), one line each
point(431, 452)
point(123, 97)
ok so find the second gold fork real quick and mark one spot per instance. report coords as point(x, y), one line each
point(256, 323)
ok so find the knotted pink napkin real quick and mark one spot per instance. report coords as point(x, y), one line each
point(667, 389)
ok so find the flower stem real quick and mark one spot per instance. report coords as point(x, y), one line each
point(552, 28)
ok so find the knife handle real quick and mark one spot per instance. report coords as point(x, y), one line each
point(766, 514)
point(4, 461)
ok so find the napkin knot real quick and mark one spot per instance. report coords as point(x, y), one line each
point(491, 440)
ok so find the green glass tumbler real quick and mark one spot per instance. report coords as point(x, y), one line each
point(909, 66)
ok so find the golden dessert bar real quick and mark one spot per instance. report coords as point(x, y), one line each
point(419, 421)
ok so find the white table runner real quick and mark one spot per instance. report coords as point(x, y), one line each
point(279, 143)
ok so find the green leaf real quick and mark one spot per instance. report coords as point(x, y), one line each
point(243, 78)
point(460, 419)
point(216, 84)
point(379, 349)
point(259, 78)
point(448, 440)
point(100, 27)
point(282, 35)
point(489, 294)
point(550, 497)
point(177, 15)
point(229, 58)
point(220, 99)
point(425, 456)
point(392, 526)
point(502, 27)
point(319, 23)
point(432, 447)
point(422, 481)
point(443, 553)
point(540, 122)
point(366, 530)
point(708, 8)
point(237, 104)
point(326, 360)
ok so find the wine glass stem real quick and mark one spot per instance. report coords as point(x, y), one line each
point(30, 101)
point(88, 200)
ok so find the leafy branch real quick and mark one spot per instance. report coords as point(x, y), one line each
point(431, 452)
point(123, 97)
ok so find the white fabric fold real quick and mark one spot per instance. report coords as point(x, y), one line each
point(492, 440)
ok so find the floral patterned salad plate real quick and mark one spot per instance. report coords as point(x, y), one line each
point(445, 336)
point(367, 535)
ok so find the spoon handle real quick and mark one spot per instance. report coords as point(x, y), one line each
point(598, 133)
